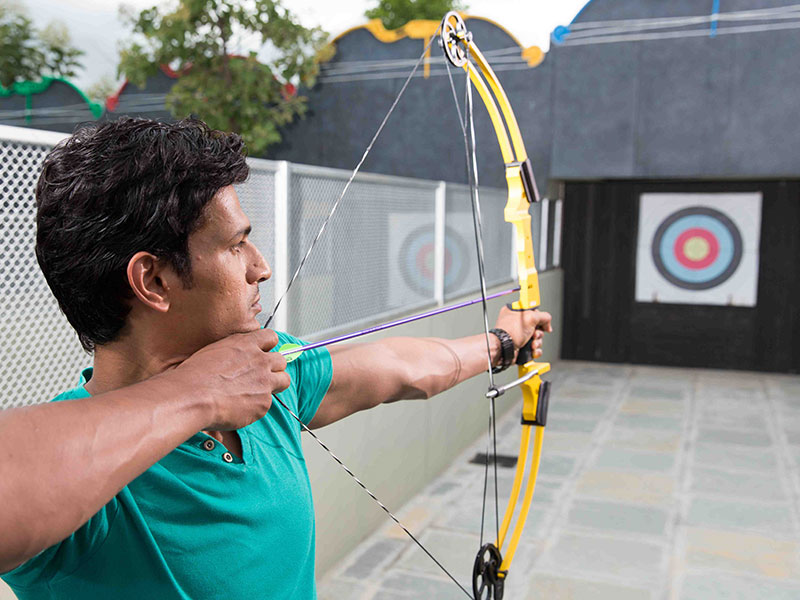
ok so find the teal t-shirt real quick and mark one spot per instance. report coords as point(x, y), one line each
point(197, 526)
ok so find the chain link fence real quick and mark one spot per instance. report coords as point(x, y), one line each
point(395, 245)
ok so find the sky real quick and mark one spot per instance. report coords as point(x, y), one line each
point(95, 26)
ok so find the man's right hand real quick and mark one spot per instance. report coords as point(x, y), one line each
point(237, 375)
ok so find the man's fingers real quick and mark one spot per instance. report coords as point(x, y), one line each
point(266, 339)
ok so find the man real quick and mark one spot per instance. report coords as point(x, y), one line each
point(165, 494)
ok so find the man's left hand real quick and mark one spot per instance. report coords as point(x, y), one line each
point(522, 325)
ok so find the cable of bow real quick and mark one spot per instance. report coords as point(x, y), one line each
point(492, 562)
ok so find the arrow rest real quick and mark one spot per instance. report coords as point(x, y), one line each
point(488, 581)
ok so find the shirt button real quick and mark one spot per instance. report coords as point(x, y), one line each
point(209, 444)
point(227, 457)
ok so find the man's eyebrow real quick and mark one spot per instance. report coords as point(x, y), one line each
point(245, 231)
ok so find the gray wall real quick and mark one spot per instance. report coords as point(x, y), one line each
point(722, 107)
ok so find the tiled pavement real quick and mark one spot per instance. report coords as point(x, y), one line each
point(655, 484)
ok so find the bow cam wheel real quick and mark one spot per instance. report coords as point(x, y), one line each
point(487, 579)
point(454, 33)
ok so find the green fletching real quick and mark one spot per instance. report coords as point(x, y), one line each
point(293, 355)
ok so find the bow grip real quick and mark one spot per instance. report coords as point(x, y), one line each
point(525, 354)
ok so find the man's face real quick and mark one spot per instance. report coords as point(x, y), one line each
point(226, 270)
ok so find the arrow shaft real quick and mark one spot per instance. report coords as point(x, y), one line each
point(403, 321)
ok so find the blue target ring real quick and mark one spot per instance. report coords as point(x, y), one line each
point(713, 231)
point(417, 260)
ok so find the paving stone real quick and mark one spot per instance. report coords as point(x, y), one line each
point(578, 408)
point(740, 485)
point(631, 560)
point(645, 439)
point(768, 518)
point(554, 465)
point(444, 487)
point(664, 408)
point(793, 437)
point(650, 422)
point(567, 443)
point(636, 488)
point(575, 392)
point(656, 392)
point(335, 589)
point(728, 456)
point(571, 425)
point(374, 556)
point(455, 550)
point(709, 585)
point(620, 458)
point(399, 584)
point(555, 587)
point(794, 453)
point(753, 439)
point(613, 516)
point(742, 552)
point(732, 420)
point(413, 517)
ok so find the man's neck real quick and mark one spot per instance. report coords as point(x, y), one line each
point(119, 364)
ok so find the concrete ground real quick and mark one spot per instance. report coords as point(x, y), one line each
point(655, 484)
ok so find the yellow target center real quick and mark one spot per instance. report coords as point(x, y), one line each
point(696, 248)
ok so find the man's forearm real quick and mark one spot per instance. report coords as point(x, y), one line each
point(434, 365)
point(61, 462)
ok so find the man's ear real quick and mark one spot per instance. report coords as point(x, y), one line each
point(150, 279)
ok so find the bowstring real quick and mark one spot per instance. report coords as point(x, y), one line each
point(352, 177)
point(294, 277)
point(467, 119)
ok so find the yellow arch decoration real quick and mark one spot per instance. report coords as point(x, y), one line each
point(423, 29)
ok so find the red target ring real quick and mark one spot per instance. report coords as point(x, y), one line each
point(704, 242)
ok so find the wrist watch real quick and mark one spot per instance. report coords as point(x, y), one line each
point(506, 349)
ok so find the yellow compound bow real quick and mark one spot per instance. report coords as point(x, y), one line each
point(492, 564)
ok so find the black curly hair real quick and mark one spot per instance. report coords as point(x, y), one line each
point(117, 188)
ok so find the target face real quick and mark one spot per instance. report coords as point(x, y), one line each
point(697, 248)
point(417, 259)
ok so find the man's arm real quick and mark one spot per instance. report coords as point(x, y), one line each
point(366, 375)
point(62, 462)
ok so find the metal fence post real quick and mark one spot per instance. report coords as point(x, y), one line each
point(438, 242)
point(544, 231)
point(280, 270)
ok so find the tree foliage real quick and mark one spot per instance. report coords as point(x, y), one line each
point(396, 13)
point(28, 54)
point(251, 91)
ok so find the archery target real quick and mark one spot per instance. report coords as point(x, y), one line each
point(698, 248)
point(412, 257)
point(416, 259)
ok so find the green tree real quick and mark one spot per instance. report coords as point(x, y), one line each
point(230, 88)
point(396, 13)
point(101, 89)
point(27, 54)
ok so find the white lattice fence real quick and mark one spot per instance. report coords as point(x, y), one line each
point(39, 352)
